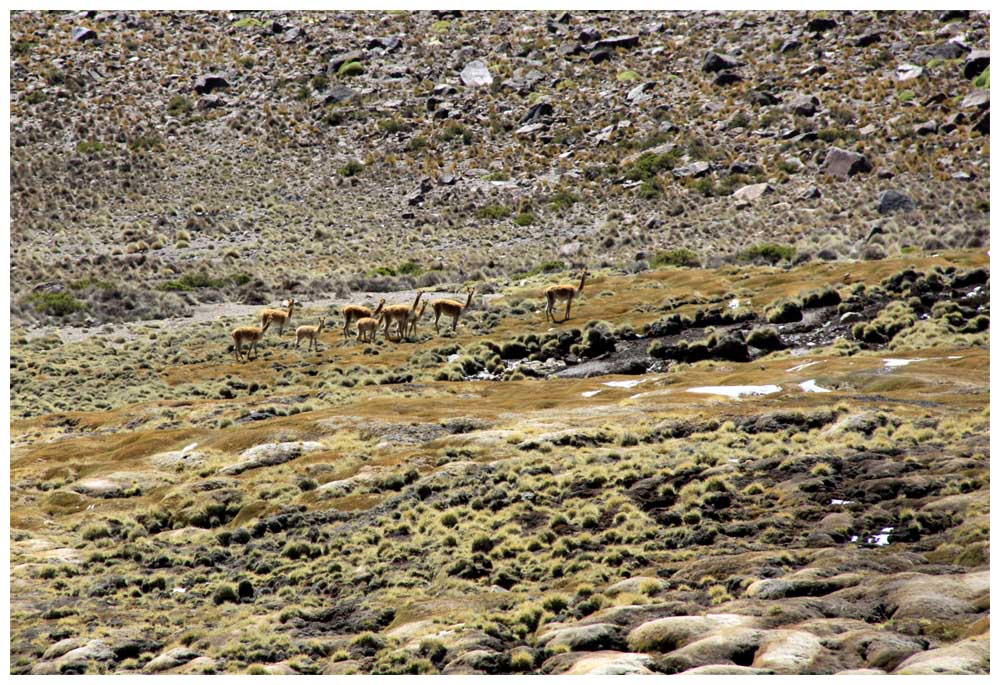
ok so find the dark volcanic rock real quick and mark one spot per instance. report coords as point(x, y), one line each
point(537, 112)
point(820, 24)
point(804, 105)
point(715, 61)
point(623, 42)
point(843, 163)
point(339, 94)
point(726, 78)
point(209, 82)
point(343, 58)
point(976, 63)
point(601, 55)
point(81, 34)
point(868, 39)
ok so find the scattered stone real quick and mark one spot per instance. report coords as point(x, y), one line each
point(810, 193)
point(908, 72)
point(843, 163)
point(977, 99)
point(618, 42)
point(976, 63)
point(868, 39)
point(762, 98)
point(753, 192)
point(210, 82)
point(820, 24)
point(790, 45)
point(726, 78)
point(715, 61)
point(339, 94)
point(82, 35)
point(926, 128)
point(892, 201)
point(953, 15)
point(476, 74)
point(983, 124)
point(589, 35)
point(601, 55)
point(343, 58)
point(804, 105)
point(694, 170)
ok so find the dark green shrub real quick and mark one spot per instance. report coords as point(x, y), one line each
point(56, 304)
point(493, 212)
point(783, 311)
point(765, 339)
point(225, 593)
point(681, 256)
point(768, 253)
point(351, 69)
point(352, 168)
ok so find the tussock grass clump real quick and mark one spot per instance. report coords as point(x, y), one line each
point(680, 257)
point(767, 253)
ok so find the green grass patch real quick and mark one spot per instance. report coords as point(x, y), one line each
point(524, 219)
point(90, 147)
point(649, 164)
point(493, 212)
point(249, 23)
point(352, 168)
point(767, 252)
point(349, 69)
point(983, 80)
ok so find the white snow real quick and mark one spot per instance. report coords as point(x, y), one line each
point(841, 501)
point(882, 539)
point(189, 448)
point(893, 363)
point(179, 590)
point(810, 386)
point(736, 390)
point(624, 384)
point(590, 393)
point(733, 304)
point(801, 366)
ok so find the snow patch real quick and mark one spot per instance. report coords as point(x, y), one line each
point(736, 390)
point(733, 304)
point(801, 366)
point(189, 448)
point(881, 539)
point(590, 393)
point(841, 501)
point(810, 386)
point(893, 363)
point(624, 384)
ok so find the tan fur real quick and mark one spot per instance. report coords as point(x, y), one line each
point(554, 293)
point(354, 312)
point(309, 332)
point(411, 331)
point(400, 314)
point(247, 334)
point(278, 316)
point(450, 308)
point(367, 328)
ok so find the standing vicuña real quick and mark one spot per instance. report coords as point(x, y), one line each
point(554, 293)
point(400, 314)
point(450, 308)
point(247, 334)
point(278, 316)
point(354, 312)
point(412, 326)
point(310, 332)
point(367, 328)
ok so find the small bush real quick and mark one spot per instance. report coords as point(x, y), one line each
point(352, 168)
point(89, 147)
point(524, 219)
point(493, 212)
point(225, 593)
point(765, 339)
point(349, 69)
point(681, 257)
point(983, 80)
point(56, 304)
point(783, 311)
point(768, 253)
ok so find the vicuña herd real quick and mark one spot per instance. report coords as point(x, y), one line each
point(403, 317)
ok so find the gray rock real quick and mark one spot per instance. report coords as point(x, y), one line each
point(343, 58)
point(977, 99)
point(618, 42)
point(171, 659)
point(844, 163)
point(694, 170)
point(210, 82)
point(948, 50)
point(81, 34)
point(804, 105)
point(892, 201)
point(269, 454)
point(715, 61)
point(790, 45)
point(476, 74)
point(810, 193)
point(639, 94)
point(908, 72)
point(601, 55)
point(820, 24)
point(726, 78)
point(868, 39)
point(339, 94)
point(926, 128)
point(753, 192)
point(976, 63)
point(587, 638)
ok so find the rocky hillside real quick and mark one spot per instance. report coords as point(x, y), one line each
point(171, 158)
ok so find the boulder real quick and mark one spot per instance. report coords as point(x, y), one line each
point(977, 99)
point(694, 170)
point(635, 585)
point(868, 39)
point(820, 24)
point(844, 163)
point(170, 659)
point(121, 484)
point(804, 105)
point(339, 94)
point(269, 454)
point(82, 35)
point(343, 58)
point(210, 82)
point(673, 632)
point(976, 63)
point(892, 201)
point(715, 61)
point(926, 128)
point(476, 74)
point(753, 192)
point(726, 78)
point(599, 663)
point(585, 638)
point(788, 652)
point(968, 657)
point(618, 42)
point(908, 72)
